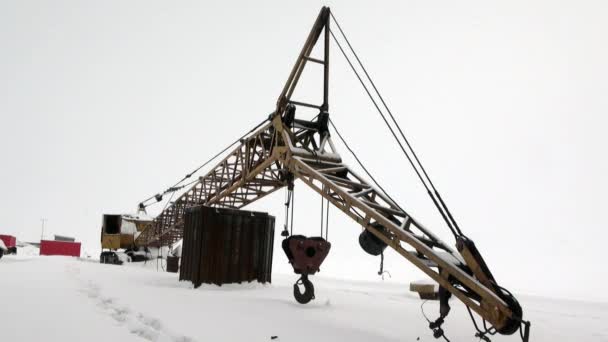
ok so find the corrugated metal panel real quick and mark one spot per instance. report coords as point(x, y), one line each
point(48, 247)
point(172, 264)
point(9, 240)
point(224, 246)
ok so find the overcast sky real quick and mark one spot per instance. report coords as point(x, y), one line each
point(104, 103)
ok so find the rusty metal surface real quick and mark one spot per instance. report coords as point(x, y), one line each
point(116, 233)
point(223, 246)
point(250, 172)
point(304, 150)
point(172, 264)
point(306, 254)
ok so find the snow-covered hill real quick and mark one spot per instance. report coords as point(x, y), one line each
point(66, 299)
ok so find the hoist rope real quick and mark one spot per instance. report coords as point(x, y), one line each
point(177, 186)
point(436, 198)
point(327, 221)
point(322, 212)
point(420, 172)
point(361, 164)
point(160, 234)
point(287, 203)
point(383, 102)
point(293, 202)
point(381, 271)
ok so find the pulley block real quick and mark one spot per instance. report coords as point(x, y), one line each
point(305, 254)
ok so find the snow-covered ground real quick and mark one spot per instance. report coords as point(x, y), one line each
point(68, 299)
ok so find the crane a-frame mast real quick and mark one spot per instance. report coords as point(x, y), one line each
point(287, 148)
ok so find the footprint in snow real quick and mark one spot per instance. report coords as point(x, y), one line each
point(149, 321)
point(143, 331)
point(121, 315)
point(146, 327)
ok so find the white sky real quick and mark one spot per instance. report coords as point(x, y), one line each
point(105, 103)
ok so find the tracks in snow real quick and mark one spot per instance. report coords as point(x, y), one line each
point(139, 324)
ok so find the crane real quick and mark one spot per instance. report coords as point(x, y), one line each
point(284, 148)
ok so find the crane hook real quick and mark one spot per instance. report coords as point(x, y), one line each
point(309, 290)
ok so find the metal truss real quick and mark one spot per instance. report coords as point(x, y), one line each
point(250, 172)
point(288, 148)
point(370, 208)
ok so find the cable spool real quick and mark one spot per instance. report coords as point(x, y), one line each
point(370, 243)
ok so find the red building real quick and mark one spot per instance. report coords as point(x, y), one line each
point(48, 247)
point(9, 240)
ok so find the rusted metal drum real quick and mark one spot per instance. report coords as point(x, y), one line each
point(224, 246)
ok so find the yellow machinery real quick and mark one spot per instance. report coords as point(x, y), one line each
point(284, 148)
point(120, 231)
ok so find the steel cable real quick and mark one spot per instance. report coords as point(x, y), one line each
point(361, 164)
point(175, 186)
point(456, 233)
point(449, 214)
